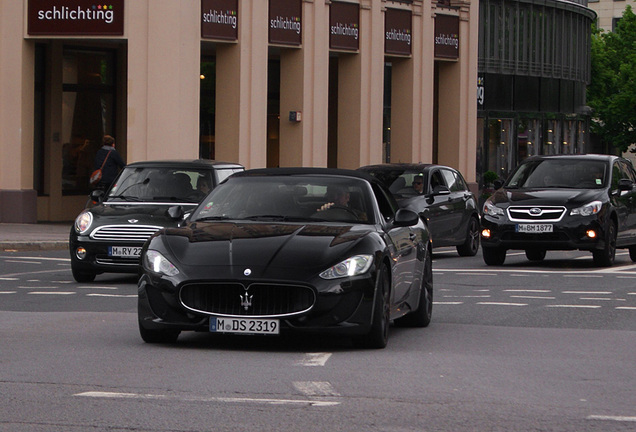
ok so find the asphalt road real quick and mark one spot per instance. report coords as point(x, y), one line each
point(527, 346)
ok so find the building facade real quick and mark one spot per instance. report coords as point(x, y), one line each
point(264, 83)
point(534, 67)
point(608, 12)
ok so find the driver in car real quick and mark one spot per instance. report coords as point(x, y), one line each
point(338, 197)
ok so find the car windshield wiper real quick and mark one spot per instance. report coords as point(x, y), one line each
point(266, 217)
point(209, 218)
point(125, 198)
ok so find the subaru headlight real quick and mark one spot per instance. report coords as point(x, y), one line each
point(83, 222)
point(491, 209)
point(353, 266)
point(588, 209)
point(157, 263)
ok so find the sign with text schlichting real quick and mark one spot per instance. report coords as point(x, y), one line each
point(446, 36)
point(75, 18)
point(219, 19)
point(285, 22)
point(397, 32)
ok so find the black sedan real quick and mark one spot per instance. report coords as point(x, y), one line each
point(564, 202)
point(441, 197)
point(289, 249)
point(108, 235)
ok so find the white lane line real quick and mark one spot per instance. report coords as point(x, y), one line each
point(625, 307)
point(42, 258)
point(528, 290)
point(467, 296)
point(8, 279)
point(23, 262)
point(52, 293)
point(533, 297)
point(8, 292)
point(38, 287)
point(112, 295)
point(113, 395)
point(574, 306)
point(314, 359)
point(315, 388)
point(98, 287)
point(501, 304)
point(447, 303)
point(587, 292)
point(613, 418)
point(582, 276)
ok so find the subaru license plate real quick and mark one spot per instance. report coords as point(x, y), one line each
point(124, 251)
point(244, 325)
point(534, 228)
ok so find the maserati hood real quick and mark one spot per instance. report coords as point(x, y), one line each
point(262, 247)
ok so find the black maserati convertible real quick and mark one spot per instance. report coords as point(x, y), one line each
point(289, 249)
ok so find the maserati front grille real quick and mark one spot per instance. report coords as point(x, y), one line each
point(253, 300)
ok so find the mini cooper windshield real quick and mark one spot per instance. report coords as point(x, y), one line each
point(316, 198)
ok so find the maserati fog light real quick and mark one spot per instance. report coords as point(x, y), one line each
point(591, 234)
point(485, 233)
point(80, 253)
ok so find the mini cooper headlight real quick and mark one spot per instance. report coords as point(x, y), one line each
point(588, 209)
point(350, 267)
point(492, 210)
point(83, 222)
point(157, 263)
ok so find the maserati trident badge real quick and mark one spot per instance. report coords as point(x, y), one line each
point(246, 300)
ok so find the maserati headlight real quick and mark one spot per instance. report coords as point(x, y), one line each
point(83, 222)
point(588, 209)
point(492, 210)
point(157, 263)
point(350, 267)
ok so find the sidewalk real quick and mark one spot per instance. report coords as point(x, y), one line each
point(33, 237)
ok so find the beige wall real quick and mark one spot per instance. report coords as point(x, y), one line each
point(160, 54)
point(607, 10)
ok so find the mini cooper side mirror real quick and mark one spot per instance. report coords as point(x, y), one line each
point(175, 212)
point(97, 196)
point(405, 217)
point(625, 185)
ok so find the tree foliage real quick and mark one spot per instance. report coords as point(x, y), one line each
point(612, 91)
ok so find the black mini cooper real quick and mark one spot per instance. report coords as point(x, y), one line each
point(107, 237)
point(563, 202)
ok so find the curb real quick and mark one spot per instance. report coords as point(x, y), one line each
point(25, 246)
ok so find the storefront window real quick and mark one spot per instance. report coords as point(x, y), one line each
point(528, 138)
point(500, 151)
point(552, 143)
point(88, 102)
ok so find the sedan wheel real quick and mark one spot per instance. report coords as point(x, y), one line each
point(471, 245)
point(379, 334)
point(535, 254)
point(605, 257)
point(421, 317)
point(83, 276)
point(494, 256)
point(158, 336)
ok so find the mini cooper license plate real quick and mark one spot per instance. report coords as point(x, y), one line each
point(534, 228)
point(124, 251)
point(244, 325)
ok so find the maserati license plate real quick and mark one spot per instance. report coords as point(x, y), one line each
point(244, 325)
point(534, 228)
point(124, 251)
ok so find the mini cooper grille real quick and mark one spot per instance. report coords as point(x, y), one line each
point(257, 300)
point(535, 213)
point(136, 233)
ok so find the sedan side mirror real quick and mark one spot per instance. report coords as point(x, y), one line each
point(625, 185)
point(405, 217)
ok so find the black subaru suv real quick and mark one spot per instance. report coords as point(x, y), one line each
point(563, 202)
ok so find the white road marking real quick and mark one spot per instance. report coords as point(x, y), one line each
point(587, 292)
point(315, 388)
point(52, 293)
point(114, 395)
point(112, 295)
point(42, 258)
point(501, 304)
point(447, 303)
point(8, 292)
point(625, 307)
point(613, 418)
point(528, 290)
point(23, 262)
point(575, 306)
point(8, 279)
point(314, 359)
point(582, 276)
point(98, 287)
point(533, 297)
